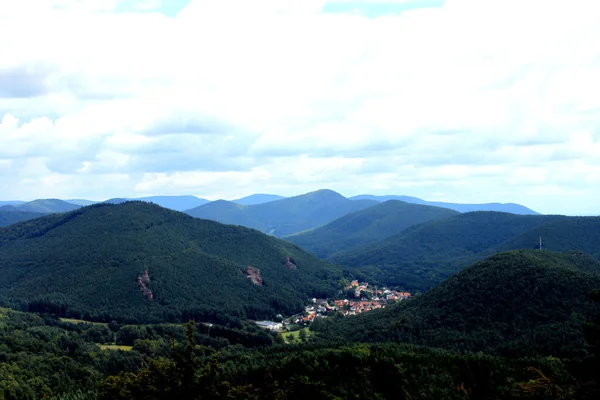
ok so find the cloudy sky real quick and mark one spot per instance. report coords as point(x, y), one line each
point(457, 100)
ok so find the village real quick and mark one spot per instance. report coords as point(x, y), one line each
point(356, 298)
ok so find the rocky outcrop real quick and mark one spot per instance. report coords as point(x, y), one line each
point(142, 281)
point(254, 275)
point(290, 264)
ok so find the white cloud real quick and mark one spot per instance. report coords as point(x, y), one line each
point(478, 100)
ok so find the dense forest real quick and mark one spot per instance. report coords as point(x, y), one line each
point(12, 217)
point(366, 226)
point(519, 303)
point(138, 262)
point(424, 255)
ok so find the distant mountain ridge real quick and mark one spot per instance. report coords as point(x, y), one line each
point(258, 198)
point(42, 206)
point(177, 203)
point(12, 217)
point(283, 217)
point(10, 203)
point(366, 226)
point(500, 207)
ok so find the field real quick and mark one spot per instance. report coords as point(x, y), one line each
point(287, 336)
point(114, 347)
point(80, 321)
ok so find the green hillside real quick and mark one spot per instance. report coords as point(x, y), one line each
point(463, 208)
point(283, 217)
point(366, 226)
point(11, 217)
point(45, 358)
point(565, 234)
point(91, 264)
point(42, 206)
point(517, 303)
point(423, 255)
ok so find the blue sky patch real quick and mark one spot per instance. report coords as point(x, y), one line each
point(168, 7)
point(377, 9)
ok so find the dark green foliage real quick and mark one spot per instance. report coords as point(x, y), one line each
point(41, 357)
point(283, 217)
point(366, 226)
point(520, 303)
point(247, 334)
point(424, 255)
point(563, 234)
point(388, 371)
point(12, 217)
point(85, 264)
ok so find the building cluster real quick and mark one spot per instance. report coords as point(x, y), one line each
point(360, 297)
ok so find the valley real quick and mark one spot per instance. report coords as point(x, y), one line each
point(132, 293)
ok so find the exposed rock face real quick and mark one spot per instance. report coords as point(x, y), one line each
point(142, 281)
point(290, 264)
point(254, 275)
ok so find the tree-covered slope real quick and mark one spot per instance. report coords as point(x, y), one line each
point(12, 217)
point(524, 302)
point(423, 255)
point(91, 263)
point(283, 217)
point(564, 234)
point(42, 206)
point(366, 226)
point(498, 207)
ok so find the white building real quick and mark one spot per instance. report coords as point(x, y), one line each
point(270, 325)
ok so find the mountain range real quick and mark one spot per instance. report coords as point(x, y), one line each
point(187, 202)
point(283, 217)
point(492, 322)
point(501, 207)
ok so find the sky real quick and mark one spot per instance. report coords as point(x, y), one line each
point(466, 101)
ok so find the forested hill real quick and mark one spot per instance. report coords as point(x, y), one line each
point(283, 217)
point(423, 255)
point(366, 226)
point(91, 263)
point(521, 303)
point(11, 217)
point(564, 234)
